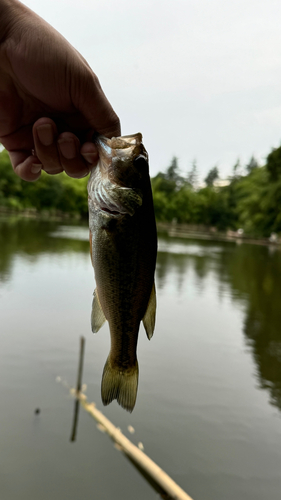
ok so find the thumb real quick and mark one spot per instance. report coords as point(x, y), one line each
point(92, 103)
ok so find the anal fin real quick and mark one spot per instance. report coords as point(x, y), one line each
point(97, 317)
point(149, 317)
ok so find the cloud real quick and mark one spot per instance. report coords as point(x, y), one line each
point(198, 78)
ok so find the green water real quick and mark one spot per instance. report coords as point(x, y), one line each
point(209, 399)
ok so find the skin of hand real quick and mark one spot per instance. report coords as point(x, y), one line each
point(51, 102)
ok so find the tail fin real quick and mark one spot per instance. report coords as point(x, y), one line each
point(120, 385)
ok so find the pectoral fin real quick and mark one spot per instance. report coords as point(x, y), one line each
point(149, 317)
point(97, 318)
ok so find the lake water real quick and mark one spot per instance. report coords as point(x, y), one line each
point(209, 400)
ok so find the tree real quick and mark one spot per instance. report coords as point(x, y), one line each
point(10, 184)
point(212, 176)
point(169, 181)
point(192, 175)
point(237, 171)
point(273, 164)
point(172, 170)
point(58, 192)
point(252, 165)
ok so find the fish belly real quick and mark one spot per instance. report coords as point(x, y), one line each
point(124, 262)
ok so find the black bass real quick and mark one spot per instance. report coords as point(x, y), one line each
point(123, 244)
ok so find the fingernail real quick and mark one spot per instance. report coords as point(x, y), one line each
point(67, 148)
point(90, 157)
point(36, 168)
point(45, 134)
point(77, 175)
point(84, 175)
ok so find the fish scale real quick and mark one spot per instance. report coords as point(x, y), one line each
point(123, 250)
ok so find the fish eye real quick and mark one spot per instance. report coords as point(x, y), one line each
point(140, 161)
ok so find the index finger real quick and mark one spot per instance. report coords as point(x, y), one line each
point(26, 166)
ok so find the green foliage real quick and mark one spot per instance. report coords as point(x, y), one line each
point(180, 201)
point(172, 173)
point(259, 203)
point(10, 184)
point(58, 192)
point(237, 171)
point(251, 201)
point(170, 181)
point(192, 175)
point(212, 176)
point(273, 164)
point(252, 165)
point(249, 194)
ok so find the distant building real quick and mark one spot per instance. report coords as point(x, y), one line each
point(219, 183)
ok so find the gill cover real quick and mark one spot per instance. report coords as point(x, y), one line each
point(114, 185)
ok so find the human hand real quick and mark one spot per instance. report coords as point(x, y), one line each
point(51, 102)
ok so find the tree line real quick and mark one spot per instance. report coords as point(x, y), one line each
point(251, 200)
point(52, 193)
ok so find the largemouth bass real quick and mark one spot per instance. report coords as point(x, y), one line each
point(123, 244)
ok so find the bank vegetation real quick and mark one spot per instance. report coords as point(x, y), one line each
point(250, 199)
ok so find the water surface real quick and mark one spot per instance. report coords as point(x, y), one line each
point(209, 399)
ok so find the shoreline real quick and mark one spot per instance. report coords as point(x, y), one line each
point(212, 234)
point(32, 213)
point(172, 229)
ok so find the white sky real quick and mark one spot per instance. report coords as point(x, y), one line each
point(199, 78)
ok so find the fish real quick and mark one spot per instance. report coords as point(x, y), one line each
point(123, 246)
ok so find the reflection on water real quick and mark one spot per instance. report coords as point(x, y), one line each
point(199, 413)
point(30, 238)
point(259, 277)
point(251, 273)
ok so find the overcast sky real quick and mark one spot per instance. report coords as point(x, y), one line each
point(201, 79)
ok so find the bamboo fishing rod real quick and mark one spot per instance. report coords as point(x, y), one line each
point(133, 452)
point(137, 455)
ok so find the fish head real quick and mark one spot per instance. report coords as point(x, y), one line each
point(129, 161)
point(116, 185)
